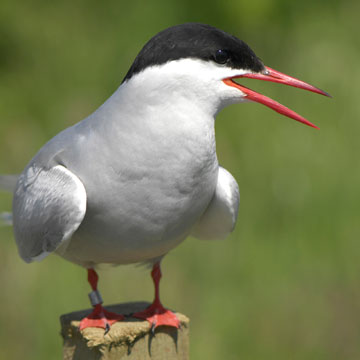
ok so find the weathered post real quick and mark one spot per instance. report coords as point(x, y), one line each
point(131, 339)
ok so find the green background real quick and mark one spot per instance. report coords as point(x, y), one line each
point(285, 284)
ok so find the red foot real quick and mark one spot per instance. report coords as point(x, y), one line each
point(100, 318)
point(157, 315)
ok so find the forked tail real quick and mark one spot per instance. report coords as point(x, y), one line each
point(7, 183)
point(6, 219)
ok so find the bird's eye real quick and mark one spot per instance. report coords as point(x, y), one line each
point(221, 56)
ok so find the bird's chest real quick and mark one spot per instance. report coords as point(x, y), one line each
point(166, 172)
point(145, 191)
point(153, 181)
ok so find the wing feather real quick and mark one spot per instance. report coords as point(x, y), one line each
point(48, 207)
point(220, 217)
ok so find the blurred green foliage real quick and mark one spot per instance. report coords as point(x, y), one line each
point(285, 285)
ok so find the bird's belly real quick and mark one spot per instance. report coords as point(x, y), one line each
point(138, 215)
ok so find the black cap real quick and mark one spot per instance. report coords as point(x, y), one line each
point(197, 41)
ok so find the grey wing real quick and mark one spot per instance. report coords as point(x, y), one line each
point(48, 207)
point(220, 216)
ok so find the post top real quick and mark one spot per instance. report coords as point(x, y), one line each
point(121, 333)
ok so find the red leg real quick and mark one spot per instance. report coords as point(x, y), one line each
point(156, 314)
point(99, 317)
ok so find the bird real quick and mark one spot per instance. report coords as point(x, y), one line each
point(134, 179)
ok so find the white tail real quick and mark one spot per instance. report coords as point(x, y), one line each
point(6, 219)
point(8, 182)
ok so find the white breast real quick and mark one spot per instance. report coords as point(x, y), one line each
point(148, 181)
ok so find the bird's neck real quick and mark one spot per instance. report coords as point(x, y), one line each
point(168, 110)
point(158, 88)
point(176, 129)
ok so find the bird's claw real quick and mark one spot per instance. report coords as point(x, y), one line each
point(107, 328)
point(100, 318)
point(153, 327)
point(157, 315)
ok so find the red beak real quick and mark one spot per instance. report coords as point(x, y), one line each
point(278, 77)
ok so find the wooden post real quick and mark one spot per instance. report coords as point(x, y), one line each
point(131, 339)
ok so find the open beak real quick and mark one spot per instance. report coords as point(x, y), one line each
point(278, 77)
